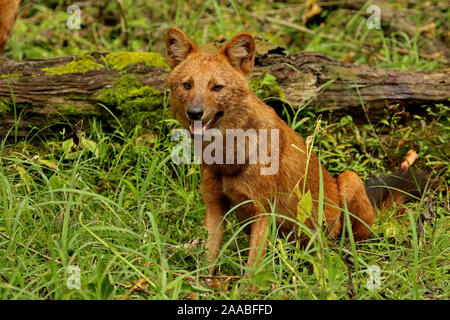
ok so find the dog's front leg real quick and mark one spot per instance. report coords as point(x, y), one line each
point(214, 226)
point(258, 241)
point(216, 207)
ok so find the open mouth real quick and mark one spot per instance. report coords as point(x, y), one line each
point(199, 127)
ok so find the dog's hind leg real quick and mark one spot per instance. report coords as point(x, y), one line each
point(352, 192)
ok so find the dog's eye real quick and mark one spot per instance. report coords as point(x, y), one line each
point(187, 85)
point(217, 88)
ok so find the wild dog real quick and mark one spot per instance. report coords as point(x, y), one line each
point(211, 91)
point(8, 11)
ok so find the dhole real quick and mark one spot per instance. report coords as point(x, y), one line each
point(8, 10)
point(213, 89)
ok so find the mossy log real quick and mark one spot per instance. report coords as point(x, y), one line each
point(133, 85)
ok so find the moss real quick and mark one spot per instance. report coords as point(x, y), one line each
point(138, 103)
point(78, 96)
point(67, 110)
point(267, 87)
point(89, 110)
point(121, 60)
point(343, 73)
point(72, 110)
point(16, 74)
point(80, 64)
point(5, 106)
point(84, 63)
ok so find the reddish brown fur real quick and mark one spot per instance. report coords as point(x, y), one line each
point(225, 186)
point(8, 10)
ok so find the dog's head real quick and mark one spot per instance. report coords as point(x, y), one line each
point(210, 88)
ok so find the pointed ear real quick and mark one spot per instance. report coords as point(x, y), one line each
point(240, 52)
point(178, 47)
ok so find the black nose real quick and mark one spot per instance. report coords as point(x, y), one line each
point(195, 112)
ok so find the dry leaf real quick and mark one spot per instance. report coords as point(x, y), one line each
point(429, 29)
point(193, 244)
point(312, 9)
point(147, 139)
point(410, 158)
point(349, 57)
point(141, 284)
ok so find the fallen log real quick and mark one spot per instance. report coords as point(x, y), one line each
point(39, 93)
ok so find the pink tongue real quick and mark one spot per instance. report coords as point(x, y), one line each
point(198, 128)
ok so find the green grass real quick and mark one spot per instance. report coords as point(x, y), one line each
point(118, 208)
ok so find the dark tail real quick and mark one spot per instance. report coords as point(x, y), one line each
point(398, 187)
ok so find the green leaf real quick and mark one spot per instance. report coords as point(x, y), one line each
point(24, 176)
point(57, 182)
point(90, 146)
point(48, 163)
point(304, 206)
point(106, 287)
point(67, 146)
point(264, 279)
point(268, 79)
